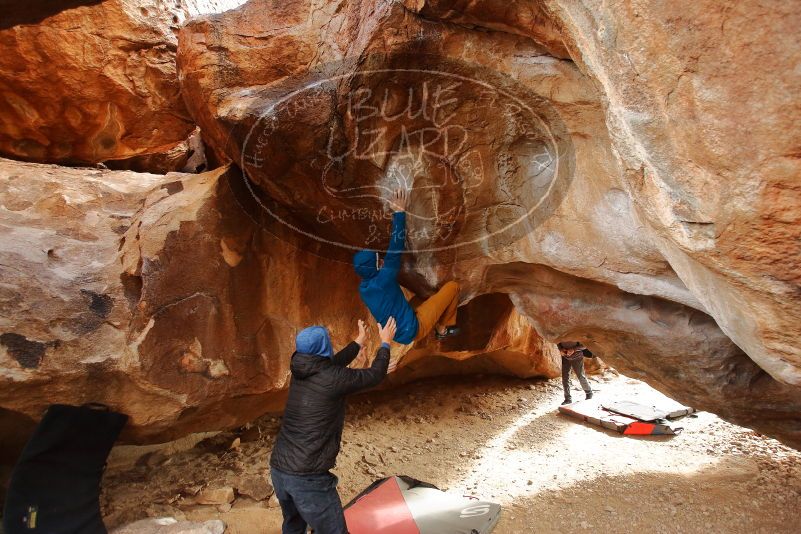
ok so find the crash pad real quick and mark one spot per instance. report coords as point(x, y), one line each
point(403, 505)
point(591, 411)
point(645, 412)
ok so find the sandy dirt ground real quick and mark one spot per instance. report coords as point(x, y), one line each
point(498, 438)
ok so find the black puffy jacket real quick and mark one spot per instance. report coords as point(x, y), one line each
point(311, 431)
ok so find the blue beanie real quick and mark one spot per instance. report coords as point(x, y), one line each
point(364, 263)
point(314, 340)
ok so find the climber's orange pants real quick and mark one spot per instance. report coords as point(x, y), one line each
point(438, 309)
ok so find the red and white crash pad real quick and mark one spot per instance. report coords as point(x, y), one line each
point(628, 417)
point(403, 505)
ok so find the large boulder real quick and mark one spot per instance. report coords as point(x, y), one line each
point(564, 168)
point(87, 81)
point(701, 106)
point(161, 297)
point(64, 311)
point(620, 168)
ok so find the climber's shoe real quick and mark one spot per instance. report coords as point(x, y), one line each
point(589, 394)
point(449, 331)
point(568, 400)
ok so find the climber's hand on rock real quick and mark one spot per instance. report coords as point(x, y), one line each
point(364, 334)
point(387, 332)
point(400, 198)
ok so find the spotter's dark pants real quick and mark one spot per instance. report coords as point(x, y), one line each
point(309, 501)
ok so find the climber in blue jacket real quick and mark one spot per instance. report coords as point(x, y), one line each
point(381, 293)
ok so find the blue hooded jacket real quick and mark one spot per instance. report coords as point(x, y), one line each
point(380, 290)
point(314, 340)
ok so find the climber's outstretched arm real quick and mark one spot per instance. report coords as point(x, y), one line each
point(397, 241)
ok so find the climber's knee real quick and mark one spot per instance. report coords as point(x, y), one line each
point(451, 287)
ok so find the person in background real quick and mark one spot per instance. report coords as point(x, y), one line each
point(311, 431)
point(381, 293)
point(573, 358)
